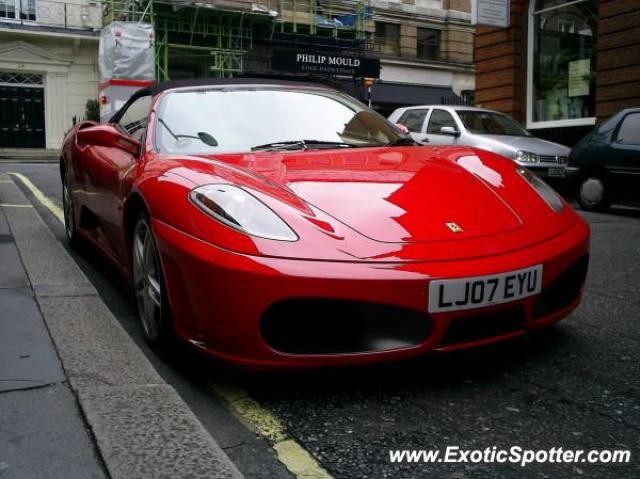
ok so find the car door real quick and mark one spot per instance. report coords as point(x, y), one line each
point(415, 120)
point(624, 155)
point(105, 170)
point(438, 119)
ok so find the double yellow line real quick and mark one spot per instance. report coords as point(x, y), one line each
point(258, 419)
point(289, 452)
point(40, 196)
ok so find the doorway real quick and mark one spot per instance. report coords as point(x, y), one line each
point(21, 111)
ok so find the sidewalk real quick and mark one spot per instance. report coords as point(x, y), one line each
point(77, 397)
point(42, 433)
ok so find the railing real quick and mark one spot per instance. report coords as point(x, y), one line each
point(74, 14)
point(465, 99)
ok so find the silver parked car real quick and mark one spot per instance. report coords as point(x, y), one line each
point(486, 129)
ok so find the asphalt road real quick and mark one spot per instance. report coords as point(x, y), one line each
point(575, 385)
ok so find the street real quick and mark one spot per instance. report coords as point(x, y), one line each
point(574, 385)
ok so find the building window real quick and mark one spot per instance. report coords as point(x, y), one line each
point(18, 9)
point(428, 44)
point(24, 79)
point(562, 62)
point(388, 38)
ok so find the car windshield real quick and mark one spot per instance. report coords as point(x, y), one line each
point(490, 123)
point(239, 119)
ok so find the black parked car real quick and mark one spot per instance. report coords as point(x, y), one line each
point(605, 165)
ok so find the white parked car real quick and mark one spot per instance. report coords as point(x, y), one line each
point(486, 129)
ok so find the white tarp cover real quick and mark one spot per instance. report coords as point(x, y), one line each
point(127, 51)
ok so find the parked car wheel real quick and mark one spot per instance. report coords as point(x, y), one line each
point(149, 286)
point(592, 192)
point(68, 209)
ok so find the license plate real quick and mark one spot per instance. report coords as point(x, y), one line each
point(481, 291)
point(557, 172)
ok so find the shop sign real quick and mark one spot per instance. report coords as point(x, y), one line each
point(491, 13)
point(324, 63)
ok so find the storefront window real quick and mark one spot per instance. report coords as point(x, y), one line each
point(562, 58)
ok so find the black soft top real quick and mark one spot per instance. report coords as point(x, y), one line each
point(197, 82)
point(154, 90)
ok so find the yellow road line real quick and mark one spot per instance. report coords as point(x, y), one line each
point(9, 205)
point(40, 196)
point(290, 453)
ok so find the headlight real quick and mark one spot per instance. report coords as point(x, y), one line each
point(526, 157)
point(242, 211)
point(547, 193)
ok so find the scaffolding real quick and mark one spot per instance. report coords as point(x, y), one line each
point(346, 19)
point(214, 36)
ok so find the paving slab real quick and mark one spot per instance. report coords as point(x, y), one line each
point(12, 274)
point(94, 347)
point(146, 432)
point(45, 260)
point(142, 427)
point(4, 226)
point(44, 437)
point(27, 356)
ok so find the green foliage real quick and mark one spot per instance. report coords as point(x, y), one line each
point(92, 110)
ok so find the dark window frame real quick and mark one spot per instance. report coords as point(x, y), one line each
point(429, 48)
point(21, 10)
point(391, 41)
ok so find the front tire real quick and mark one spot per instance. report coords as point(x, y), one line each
point(70, 229)
point(592, 192)
point(149, 286)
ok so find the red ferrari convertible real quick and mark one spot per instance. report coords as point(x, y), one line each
point(276, 224)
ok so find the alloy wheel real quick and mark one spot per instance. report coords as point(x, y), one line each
point(69, 213)
point(147, 281)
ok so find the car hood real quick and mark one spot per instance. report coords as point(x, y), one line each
point(422, 199)
point(511, 144)
point(400, 195)
point(412, 202)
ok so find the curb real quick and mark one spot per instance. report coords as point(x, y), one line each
point(28, 160)
point(143, 429)
point(29, 157)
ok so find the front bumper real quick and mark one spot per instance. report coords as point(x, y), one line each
point(219, 299)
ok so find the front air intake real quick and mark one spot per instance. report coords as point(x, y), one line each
point(563, 290)
point(329, 326)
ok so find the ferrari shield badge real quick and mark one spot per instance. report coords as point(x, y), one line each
point(454, 227)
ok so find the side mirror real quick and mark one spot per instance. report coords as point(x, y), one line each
point(107, 135)
point(449, 130)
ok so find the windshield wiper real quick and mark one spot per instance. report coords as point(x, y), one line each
point(174, 135)
point(403, 142)
point(301, 145)
point(203, 136)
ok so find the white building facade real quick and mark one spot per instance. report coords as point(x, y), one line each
point(48, 71)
